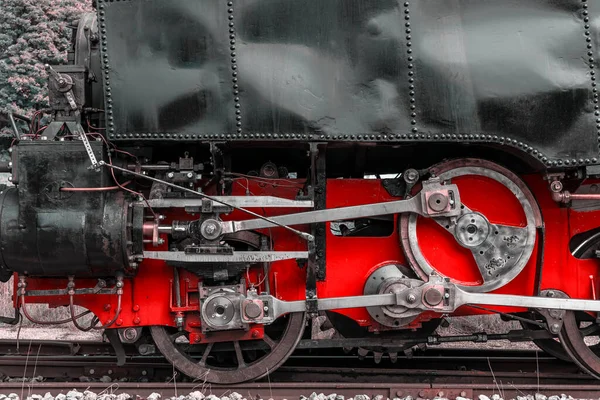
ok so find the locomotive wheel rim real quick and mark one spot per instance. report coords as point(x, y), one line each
point(573, 342)
point(281, 349)
point(475, 167)
point(549, 346)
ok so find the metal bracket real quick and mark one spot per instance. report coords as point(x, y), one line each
point(554, 317)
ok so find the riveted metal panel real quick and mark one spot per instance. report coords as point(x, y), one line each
point(510, 73)
point(166, 68)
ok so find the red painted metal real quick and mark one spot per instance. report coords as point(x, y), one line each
point(148, 298)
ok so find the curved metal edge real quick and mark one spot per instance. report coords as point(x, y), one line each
point(454, 168)
point(284, 348)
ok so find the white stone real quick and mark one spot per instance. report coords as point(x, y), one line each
point(154, 396)
point(361, 397)
point(87, 395)
point(60, 396)
point(462, 398)
point(496, 397)
point(539, 396)
point(48, 396)
point(378, 397)
point(197, 395)
point(483, 397)
point(74, 395)
point(123, 396)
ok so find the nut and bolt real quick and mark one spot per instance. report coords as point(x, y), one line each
point(210, 229)
point(130, 334)
point(190, 175)
point(555, 328)
point(411, 175)
point(170, 175)
point(10, 164)
point(411, 298)
point(92, 371)
point(556, 186)
point(161, 241)
point(10, 178)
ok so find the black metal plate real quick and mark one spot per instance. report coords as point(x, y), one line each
point(509, 72)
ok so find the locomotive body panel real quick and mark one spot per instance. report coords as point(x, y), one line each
point(511, 73)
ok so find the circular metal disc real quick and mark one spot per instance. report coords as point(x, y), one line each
point(499, 251)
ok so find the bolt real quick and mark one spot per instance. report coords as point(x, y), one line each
point(109, 372)
point(161, 241)
point(130, 334)
point(266, 308)
point(136, 320)
point(447, 295)
point(92, 372)
point(399, 393)
point(144, 372)
point(190, 175)
point(170, 175)
point(210, 229)
point(136, 308)
point(550, 294)
point(422, 394)
point(119, 322)
point(255, 333)
point(555, 328)
point(10, 178)
point(411, 298)
point(556, 186)
point(107, 307)
point(10, 164)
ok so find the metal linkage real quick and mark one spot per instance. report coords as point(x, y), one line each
point(437, 295)
point(434, 200)
point(234, 256)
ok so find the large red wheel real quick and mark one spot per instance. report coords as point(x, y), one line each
point(492, 240)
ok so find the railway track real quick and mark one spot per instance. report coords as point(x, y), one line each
point(91, 366)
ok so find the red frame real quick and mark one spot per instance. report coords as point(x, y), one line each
point(148, 298)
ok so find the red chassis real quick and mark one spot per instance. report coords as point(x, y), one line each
point(148, 298)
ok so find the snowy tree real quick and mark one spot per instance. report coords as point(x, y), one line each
point(33, 33)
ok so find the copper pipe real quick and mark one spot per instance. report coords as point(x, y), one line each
point(566, 196)
point(96, 189)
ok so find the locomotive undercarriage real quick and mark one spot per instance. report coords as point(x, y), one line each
point(226, 267)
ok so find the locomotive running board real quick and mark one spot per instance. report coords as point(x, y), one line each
point(436, 295)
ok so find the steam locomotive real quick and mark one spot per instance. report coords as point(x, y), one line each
point(218, 175)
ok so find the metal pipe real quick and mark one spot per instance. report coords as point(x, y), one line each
point(14, 125)
point(149, 167)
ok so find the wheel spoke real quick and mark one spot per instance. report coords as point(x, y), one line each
point(238, 354)
point(207, 351)
point(270, 342)
point(588, 330)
